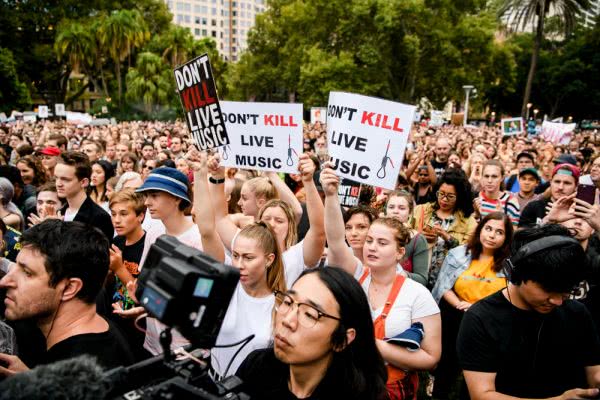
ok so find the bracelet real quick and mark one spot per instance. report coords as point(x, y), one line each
point(216, 181)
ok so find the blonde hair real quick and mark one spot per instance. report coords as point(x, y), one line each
point(292, 233)
point(128, 195)
point(402, 234)
point(265, 238)
point(262, 188)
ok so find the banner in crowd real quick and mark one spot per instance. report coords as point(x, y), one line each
point(3, 117)
point(43, 111)
point(367, 137)
point(198, 94)
point(349, 192)
point(437, 118)
point(59, 109)
point(29, 116)
point(512, 126)
point(263, 136)
point(78, 118)
point(318, 114)
point(556, 132)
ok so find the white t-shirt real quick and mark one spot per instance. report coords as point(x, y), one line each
point(245, 316)
point(192, 238)
point(70, 215)
point(293, 263)
point(414, 301)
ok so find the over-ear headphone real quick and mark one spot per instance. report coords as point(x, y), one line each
point(531, 248)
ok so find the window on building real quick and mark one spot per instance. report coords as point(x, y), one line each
point(187, 19)
point(214, 11)
point(213, 33)
point(179, 18)
point(213, 22)
point(197, 31)
point(204, 32)
point(204, 21)
point(234, 13)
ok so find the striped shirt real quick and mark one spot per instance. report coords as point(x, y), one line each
point(506, 203)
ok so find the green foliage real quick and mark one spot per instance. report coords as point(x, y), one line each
point(151, 82)
point(397, 49)
point(13, 93)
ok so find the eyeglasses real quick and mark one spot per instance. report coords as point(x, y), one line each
point(307, 315)
point(449, 197)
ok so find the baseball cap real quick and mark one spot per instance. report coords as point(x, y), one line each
point(526, 155)
point(567, 169)
point(530, 171)
point(50, 151)
point(565, 159)
point(166, 179)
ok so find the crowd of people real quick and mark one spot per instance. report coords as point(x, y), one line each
point(477, 276)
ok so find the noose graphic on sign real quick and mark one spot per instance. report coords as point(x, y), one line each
point(381, 172)
point(290, 161)
point(225, 155)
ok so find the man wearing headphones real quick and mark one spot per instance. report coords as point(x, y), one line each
point(527, 340)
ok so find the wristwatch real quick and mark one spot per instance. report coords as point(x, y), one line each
point(216, 181)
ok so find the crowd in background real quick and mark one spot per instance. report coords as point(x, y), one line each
point(423, 254)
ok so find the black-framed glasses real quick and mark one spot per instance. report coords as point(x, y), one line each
point(308, 315)
point(447, 196)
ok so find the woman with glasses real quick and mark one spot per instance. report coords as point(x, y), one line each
point(324, 346)
point(396, 302)
point(400, 205)
point(147, 166)
point(448, 221)
point(469, 273)
point(492, 198)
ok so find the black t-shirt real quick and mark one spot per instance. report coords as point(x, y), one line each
point(110, 348)
point(266, 378)
point(534, 355)
point(533, 213)
point(439, 167)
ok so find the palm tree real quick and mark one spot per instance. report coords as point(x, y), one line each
point(179, 42)
point(120, 33)
point(524, 12)
point(150, 80)
point(77, 43)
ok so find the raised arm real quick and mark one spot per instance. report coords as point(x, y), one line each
point(338, 252)
point(225, 226)
point(203, 210)
point(314, 241)
point(285, 193)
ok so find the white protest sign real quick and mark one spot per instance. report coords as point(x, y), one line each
point(3, 117)
point(512, 126)
point(43, 111)
point(318, 114)
point(437, 118)
point(59, 110)
point(262, 136)
point(367, 137)
point(556, 132)
point(78, 118)
point(29, 117)
point(104, 110)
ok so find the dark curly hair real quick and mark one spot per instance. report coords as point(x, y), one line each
point(464, 198)
point(500, 254)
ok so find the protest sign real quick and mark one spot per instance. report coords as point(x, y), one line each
point(59, 110)
point(556, 132)
point(43, 111)
point(512, 126)
point(318, 114)
point(263, 136)
point(78, 118)
point(437, 118)
point(29, 117)
point(104, 110)
point(3, 117)
point(367, 137)
point(348, 192)
point(198, 95)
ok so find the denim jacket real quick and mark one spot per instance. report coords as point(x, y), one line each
point(457, 261)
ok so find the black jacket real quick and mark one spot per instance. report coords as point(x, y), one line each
point(92, 214)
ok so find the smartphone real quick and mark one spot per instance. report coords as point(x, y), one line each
point(586, 193)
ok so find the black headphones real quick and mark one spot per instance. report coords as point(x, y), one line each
point(531, 248)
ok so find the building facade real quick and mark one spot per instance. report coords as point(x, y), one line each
point(226, 21)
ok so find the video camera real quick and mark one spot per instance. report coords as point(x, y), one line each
point(187, 290)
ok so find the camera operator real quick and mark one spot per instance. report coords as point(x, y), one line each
point(324, 344)
point(528, 340)
point(59, 272)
